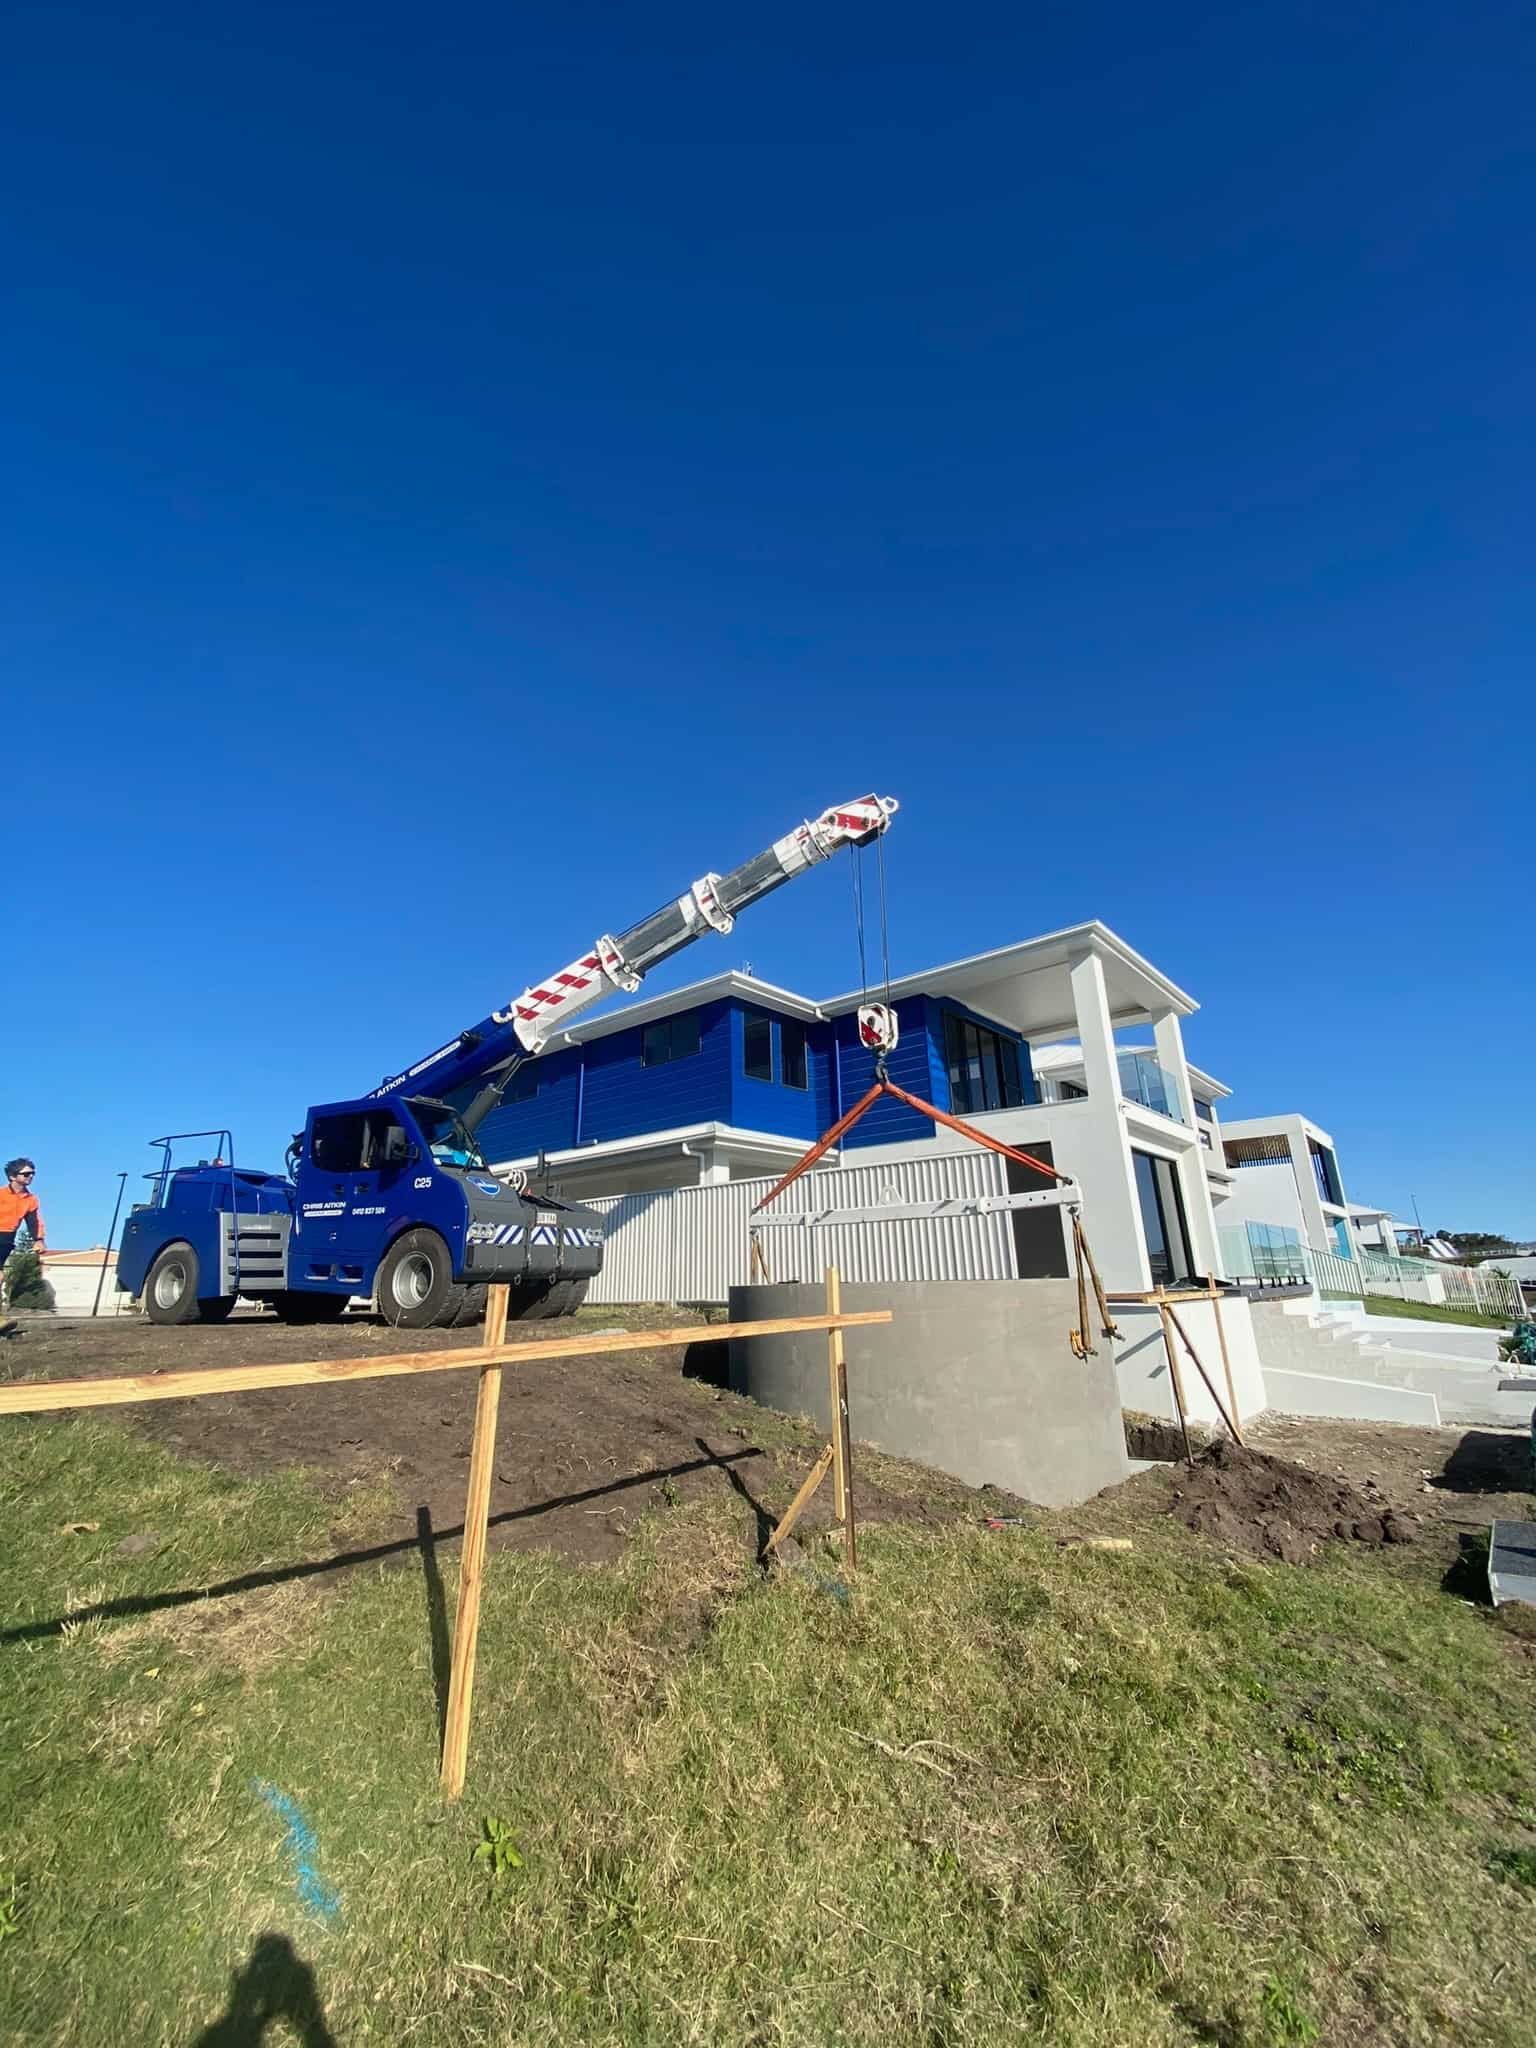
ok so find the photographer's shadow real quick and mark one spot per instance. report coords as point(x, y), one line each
point(274, 1985)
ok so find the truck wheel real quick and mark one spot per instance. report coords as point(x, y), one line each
point(295, 1307)
point(527, 1304)
point(565, 1297)
point(414, 1284)
point(170, 1286)
point(471, 1308)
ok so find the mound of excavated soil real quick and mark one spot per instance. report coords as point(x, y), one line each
point(1272, 1508)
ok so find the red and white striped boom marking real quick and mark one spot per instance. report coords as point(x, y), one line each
point(547, 1004)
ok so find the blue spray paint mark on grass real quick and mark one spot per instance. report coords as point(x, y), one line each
point(303, 1849)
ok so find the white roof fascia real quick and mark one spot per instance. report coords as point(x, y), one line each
point(1209, 1086)
point(1026, 956)
point(728, 1135)
point(764, 993)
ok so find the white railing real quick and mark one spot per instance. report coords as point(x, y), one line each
point(1335, 1278)
point(1470, 1287)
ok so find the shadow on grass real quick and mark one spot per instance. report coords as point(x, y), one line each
point(274, 1985)
point(437, 1617)
point(765, 1522)
point(133, 1604)
point(1467, 1575)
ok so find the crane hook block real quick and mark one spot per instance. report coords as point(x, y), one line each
point(878, 1029)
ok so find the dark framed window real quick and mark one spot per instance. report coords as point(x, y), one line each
point(793, 1069)
point(336, 1143)
point(1163, 1221)
point(360, 1143)
point(985, 1071)
point(670, 1038)
point(757, 1047)
point(524, 1084)
point(1204, 1110)
point(1326, 1172)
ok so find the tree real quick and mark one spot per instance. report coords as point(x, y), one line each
point(1479, 1244)
point(25, 1286)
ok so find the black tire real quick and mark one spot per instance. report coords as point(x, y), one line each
point(527, 1299)
point(414, 1283)
point(471, 1307)
point(452, 1309)
point(295, 1307)
point(565, 1297)
point(170, 1285)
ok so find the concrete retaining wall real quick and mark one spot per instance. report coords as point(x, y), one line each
point(975, 1377)
point(1302, 1393)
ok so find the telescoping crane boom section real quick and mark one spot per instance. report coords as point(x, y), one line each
point(490, 1049)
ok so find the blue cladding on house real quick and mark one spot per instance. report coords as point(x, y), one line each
point(912, 1066)
point(617, 1095)
point(594, 1093)
point(758, 1105)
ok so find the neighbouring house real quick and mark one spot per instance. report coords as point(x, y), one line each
point(76, 1277)
point(1375, 1229)
point(733, 1078)
point(1286, 1175)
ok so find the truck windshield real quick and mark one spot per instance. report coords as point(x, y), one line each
point(447, 1140)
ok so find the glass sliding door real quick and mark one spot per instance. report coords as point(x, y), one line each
point(1163, 1221)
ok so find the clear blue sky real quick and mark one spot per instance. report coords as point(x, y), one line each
point(467, 470)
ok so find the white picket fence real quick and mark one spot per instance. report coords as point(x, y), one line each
point(693, 1244)
point(1470, 1287)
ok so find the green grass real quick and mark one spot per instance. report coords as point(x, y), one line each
point(1003, 1792)
point(1432, 1312)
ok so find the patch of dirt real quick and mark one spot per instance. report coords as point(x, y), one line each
point(1267, 1506)
point(585, 1446)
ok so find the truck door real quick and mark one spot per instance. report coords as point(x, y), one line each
point(349, 1188)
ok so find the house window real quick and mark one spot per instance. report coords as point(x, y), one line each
point(757, 1047)
point(1072, 1092)
point(524, 1084)
point(984, 1070)
point(1326, 1172)
point(1162, 1219)
point(670, 1038)
point(1204, 1110)
point(792, 1063)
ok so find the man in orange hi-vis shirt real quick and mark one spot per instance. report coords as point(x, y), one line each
point(18, 1205)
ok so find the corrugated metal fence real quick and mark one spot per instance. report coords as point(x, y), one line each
point(692, 1244)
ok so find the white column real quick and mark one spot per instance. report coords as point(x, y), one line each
point(713, 1167)
point(1101, 1153)
point(1318, 1232)
point(1168, 1037)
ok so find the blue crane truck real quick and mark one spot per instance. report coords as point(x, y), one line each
point(388, 1195)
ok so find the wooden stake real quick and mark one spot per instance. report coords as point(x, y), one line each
point(1232, 1428)
point(36, 1397)
point(1173, 1374)
point(466, 1627)
point(802, 1499)
point(837, 1398)
point(1221, 1339)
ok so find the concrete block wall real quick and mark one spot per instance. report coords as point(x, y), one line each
point(976, 1377)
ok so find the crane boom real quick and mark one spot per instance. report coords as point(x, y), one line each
point(490, 1050)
